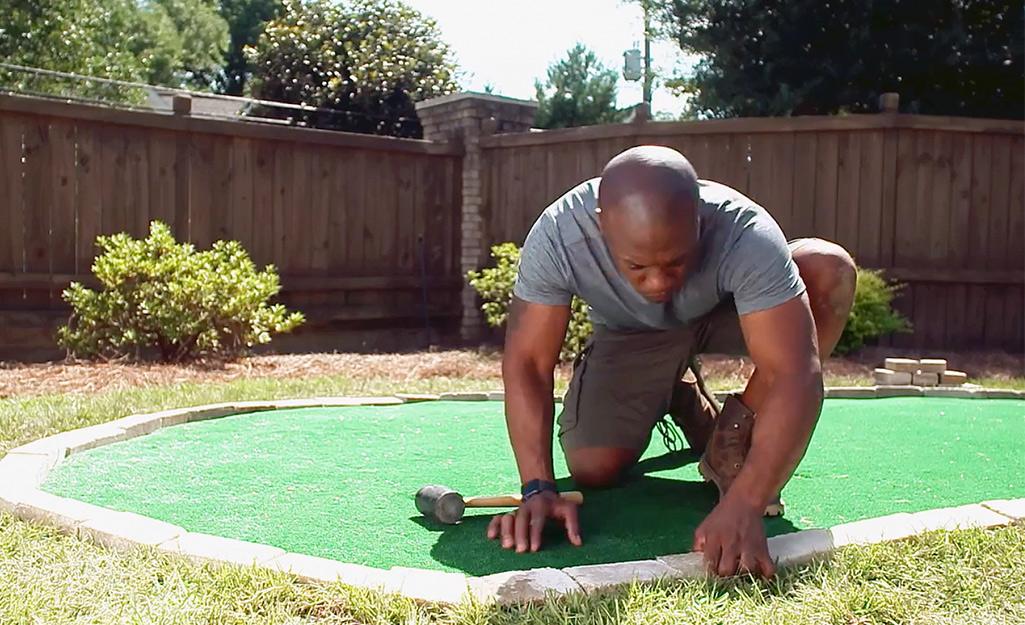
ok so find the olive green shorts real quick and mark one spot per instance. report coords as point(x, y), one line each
point(623, 381)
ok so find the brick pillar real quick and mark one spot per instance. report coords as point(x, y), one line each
point(466, 117)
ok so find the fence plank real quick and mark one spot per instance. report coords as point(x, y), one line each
point(906, 224)
point(848, 191)
point(12, 198)
point(281, 219)
point(320, 210)
point(1014, 320)
point(202, 177)
point(1016, 207)
point(826, 170)
point(739, 174)
point(956, 310)
point(802, 221)
point(356, 207)
point(978, 233)
point(137, 214)
point(888, 200)
point(453, 232)
point(938, 223)
point(924, 165)
point(974, 323)
point(240, 197)
point(538, 184)
point(783, 179)
point(264, 232)
point(299, 213)
point(993, 328)
point(38, 205)
point(961, 212)
point(224, 173)
point(114, 154)
point(90, 195)
point(63, 182)
point(999, 216)
point(163, 203)
point(761, 187)
point(338, 208)
point(407, 209)
point(870, 199)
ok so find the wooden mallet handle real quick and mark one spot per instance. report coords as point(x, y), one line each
point(511, 501)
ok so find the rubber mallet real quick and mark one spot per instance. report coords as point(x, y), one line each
point(446, 505)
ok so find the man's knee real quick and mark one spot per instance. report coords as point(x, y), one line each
point(829, 272)
point(599, 467)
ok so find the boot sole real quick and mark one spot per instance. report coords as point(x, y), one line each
point(774, 508)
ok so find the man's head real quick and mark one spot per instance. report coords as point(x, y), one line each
point(648, 216)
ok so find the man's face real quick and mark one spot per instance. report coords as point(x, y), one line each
point(654, 257)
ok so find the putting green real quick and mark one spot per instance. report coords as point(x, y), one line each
point(339, 482)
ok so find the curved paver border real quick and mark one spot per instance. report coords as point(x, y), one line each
point(24, 469)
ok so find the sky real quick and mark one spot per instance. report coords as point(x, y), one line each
point(509, 48)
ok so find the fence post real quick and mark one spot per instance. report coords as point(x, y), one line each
point(466, 117)
point(889, 102)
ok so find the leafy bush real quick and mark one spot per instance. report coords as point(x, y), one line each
point(871, 314)
point(495, 286)
point(159, 295)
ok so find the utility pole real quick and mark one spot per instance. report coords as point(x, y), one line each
point(647, 53)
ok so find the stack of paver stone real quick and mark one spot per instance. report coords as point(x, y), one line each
point(924, 372)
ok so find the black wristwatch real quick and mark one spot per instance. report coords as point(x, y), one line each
point(536, 487)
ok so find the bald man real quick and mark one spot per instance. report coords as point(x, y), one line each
point(671, 267)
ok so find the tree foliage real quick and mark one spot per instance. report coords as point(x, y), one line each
point(94, 37)
point(161, 42)
point(579, 91)
point(246, 20)
point(368, 61)
point(766, 57)
point(196, 37)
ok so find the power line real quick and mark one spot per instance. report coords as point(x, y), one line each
point(247, 101)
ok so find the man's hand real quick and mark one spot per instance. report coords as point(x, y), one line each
point(733, 540)
point(522, 529)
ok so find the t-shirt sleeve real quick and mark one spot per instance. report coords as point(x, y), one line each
point(759, 270)
point(541, 277)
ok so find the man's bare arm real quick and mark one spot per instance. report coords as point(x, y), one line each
point(533, 340)
point(783, 346)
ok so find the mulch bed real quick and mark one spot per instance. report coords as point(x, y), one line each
point(21, 380)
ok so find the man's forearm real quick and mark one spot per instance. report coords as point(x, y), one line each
point(529, 414)
point(783, 427)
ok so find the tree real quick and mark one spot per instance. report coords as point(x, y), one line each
point(767, 57)
point(160, 42)
point(92, 37)
point(580, 91)
point(246, 20)
point(368, 61)
point(189, 39)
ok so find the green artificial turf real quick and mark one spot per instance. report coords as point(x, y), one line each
point(339, 482)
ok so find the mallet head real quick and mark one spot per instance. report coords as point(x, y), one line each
point(441, 503)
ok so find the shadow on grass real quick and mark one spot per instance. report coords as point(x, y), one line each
point(644, 517)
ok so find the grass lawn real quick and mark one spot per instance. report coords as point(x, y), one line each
point(45, 577)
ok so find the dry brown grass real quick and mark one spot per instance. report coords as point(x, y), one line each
point(20, 380)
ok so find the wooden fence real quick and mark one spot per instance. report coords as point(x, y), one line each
point(353, 223)
point(365, 231)
point(938, 203)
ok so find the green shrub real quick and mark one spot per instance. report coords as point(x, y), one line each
point(871, 314)
point(162, 297)
point(495, 286)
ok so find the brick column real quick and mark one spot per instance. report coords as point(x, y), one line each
point(466, 117)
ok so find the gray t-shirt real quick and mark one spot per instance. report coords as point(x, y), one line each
point(744, 255)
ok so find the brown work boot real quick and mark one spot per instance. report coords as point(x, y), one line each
point(693, 411)
point(727, 449)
